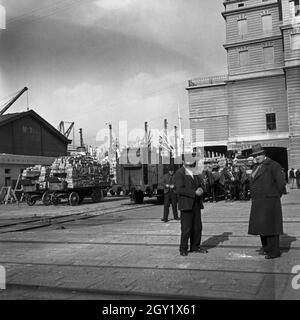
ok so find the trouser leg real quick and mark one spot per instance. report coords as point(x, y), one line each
point(174, 205)
point(186, 228)
point(196, 233)
point(166, 206)
point(264, 243)
point(273, 244)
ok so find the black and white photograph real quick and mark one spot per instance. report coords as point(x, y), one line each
point(149, 153)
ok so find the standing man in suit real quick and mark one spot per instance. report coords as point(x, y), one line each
point(190, 187)
point(170, 196)
point(267, 185)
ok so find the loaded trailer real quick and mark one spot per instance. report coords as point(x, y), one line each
point(70, 178)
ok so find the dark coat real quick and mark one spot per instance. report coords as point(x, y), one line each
point(185, 187)
point(168, 179)
point(266, 189)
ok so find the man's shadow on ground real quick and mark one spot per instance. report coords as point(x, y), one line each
point(286, 242)
point(214, 241)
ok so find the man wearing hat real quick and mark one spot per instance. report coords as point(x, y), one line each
point(190, 187)
point(266, 187)
point(170, 196)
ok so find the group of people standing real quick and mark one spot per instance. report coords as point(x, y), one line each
point(185, 189)
point(294, 177)
point(226, 180)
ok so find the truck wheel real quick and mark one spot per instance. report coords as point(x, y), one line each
point(73, 199)
point(30, 200)
point(55, 199)
point(46, 198)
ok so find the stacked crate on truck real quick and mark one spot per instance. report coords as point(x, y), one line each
point(77, 177)
point(34, 182)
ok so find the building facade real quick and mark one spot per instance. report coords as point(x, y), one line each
point(26, 139)
point(258, 101)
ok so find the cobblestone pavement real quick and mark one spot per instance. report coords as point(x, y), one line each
point(131, 254)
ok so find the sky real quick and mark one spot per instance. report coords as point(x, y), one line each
point(96, 62)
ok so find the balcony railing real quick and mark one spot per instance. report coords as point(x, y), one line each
point(208, 80)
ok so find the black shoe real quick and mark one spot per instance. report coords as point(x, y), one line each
point(199, 250)
point(183, 253)
point(272, 256)
point(177, 218)
point(164, 220)
point(262, 252)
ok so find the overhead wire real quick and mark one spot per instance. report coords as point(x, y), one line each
point(54, 8)
point(32, 12)
point(59, 10)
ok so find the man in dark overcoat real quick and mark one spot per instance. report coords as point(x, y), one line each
point(170, 197)
point(190, 187)
point(266, 187)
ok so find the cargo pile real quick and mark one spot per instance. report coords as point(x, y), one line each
point(35, 176)
point(79, 171)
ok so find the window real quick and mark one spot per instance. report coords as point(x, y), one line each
point(7, 171)
point(242, 27)
point(271, 121)
point(241, 5)
point(295, 41)
point(26, 129)
point(267, 24)
point(295, 8)
point(7, 182)
point(244, 57)
point(268, 54)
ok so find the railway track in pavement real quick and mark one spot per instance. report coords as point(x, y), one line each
point(42, 222)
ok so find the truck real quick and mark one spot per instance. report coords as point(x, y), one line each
point(69, 177)
point(141, 175)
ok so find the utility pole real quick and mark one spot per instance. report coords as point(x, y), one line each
point(167, 140)
point(176, 141)
point(110, 138)
point(81, 137)
point(147, 143)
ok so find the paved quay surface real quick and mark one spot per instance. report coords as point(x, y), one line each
point(117, 250)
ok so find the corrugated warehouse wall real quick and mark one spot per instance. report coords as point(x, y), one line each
point(256, 58)
point(254, 25)
point(208, 112)
point(249, 102)
point(293, 91)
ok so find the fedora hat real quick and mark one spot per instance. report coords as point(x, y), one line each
point(257, 149)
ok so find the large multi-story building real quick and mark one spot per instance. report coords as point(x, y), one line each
point(258, 101)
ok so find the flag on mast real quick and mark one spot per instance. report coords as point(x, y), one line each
point(180, 137)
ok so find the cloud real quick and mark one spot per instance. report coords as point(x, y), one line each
point(143, 97)
point(113, 4)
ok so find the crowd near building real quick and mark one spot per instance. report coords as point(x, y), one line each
point(258, 101)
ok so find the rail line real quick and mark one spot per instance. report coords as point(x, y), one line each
point(207, 246)
point(43, 222)
point(134, 267)
point(136, 295)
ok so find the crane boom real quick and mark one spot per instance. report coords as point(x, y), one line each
point(12, 101)
point(67, 133)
